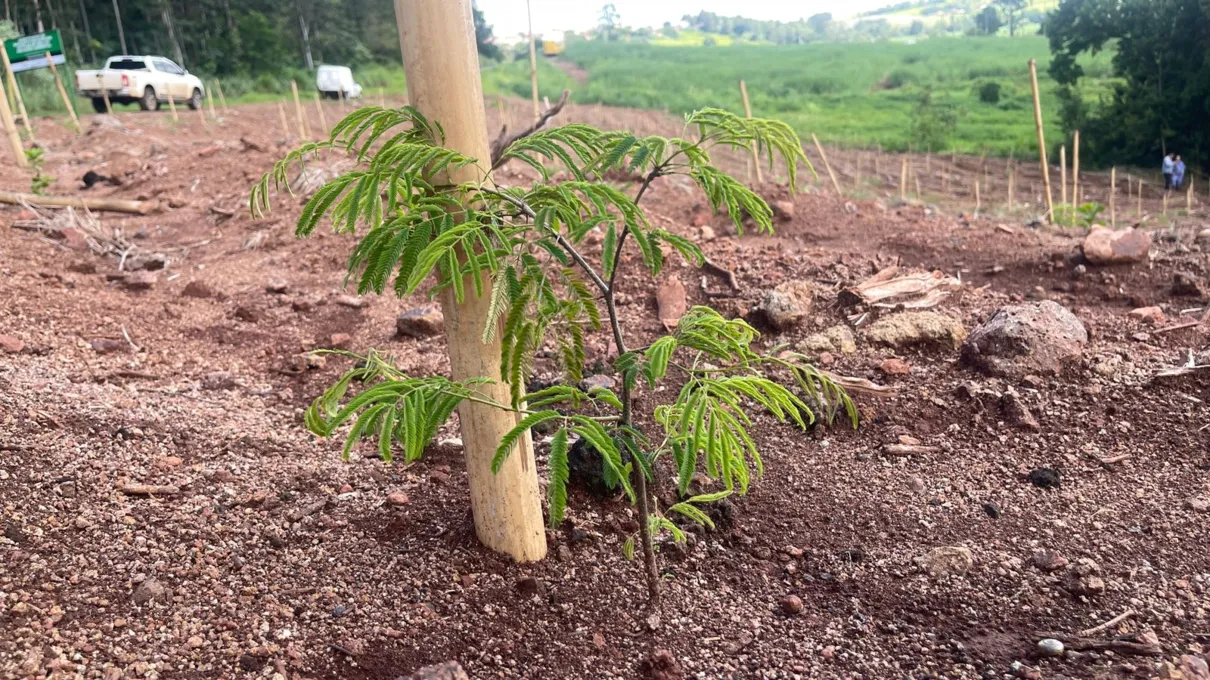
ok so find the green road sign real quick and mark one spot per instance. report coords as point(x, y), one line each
point(29, 51)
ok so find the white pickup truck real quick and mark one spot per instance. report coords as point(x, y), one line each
point(146, 80)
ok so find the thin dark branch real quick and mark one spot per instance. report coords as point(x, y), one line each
point(504, 140)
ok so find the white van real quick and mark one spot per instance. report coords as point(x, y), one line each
point(332, 80)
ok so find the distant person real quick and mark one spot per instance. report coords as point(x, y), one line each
point(1169, 166)
point(1178, 173)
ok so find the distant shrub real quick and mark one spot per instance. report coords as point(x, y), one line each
point(977, 72)
point(912, 58)
point(896, 79)
point(989, 93)
point(709, 41)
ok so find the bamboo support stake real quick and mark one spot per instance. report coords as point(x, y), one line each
point(533, 60)
point(218, 85)
point(201, 114)
point(382, 97)
point(71, 110)
point(281, 112)
point(1113, 196)
point(110, 204)
point(16, 92)
point(210, 104)
point(916, 178)
point(323, 120)
point(1189, 195)
point(1012, 186)
point(172, 107)
point(978, 203)
point(1075, 171)
point(1033, 79)
point(903, 178)
point(10, 129)
point(105, 96)
point(827, 165)
point(1165, 203)
point(340, 94)
point(743, 91)
point(298, 112)
point(1063, 174)
point(437, 39)
point(1140, 204)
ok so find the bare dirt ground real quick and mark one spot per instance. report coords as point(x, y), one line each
point(276, 558)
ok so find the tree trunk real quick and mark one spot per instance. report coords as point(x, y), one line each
point(92, 51)
point(306, 35)
point(166, 15)
point(38, 14)
point(233, 35)
point(117, 15)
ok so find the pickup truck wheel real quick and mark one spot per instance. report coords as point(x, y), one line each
point(98, 105)
point(195, 99)
point(149, 101)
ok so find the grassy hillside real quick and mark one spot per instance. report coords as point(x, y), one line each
point(852, 94)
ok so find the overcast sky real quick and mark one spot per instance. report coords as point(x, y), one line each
point(554, 16)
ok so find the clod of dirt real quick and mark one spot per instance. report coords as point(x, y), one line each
point(1124, 246)
point(838, 338)
point(1049, 560)
point(894, 366)
point(529, 586)
point(10, 344)
point(946, 561)
point(199, 289)
point(251, 663)
point(420, 322)
point(218, 380)
point(1032, 338)
point(106, 345)
point(783, 210)
point(670, 301)
point(1151, 315)
point(662, 665)
point(277, 286)
point(916, 328)
point(1187, 285)
point(787, 305)
point(340, 341)
point(1044, 478)
point(1016, 413)
point(142, 280)
point(450, 670)
point(992, 510)
point(1198, 504)
point(1082, 579)
point(148, 591)
point(247, 314)
point(791, 604)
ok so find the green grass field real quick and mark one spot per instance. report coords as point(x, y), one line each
point(853, 94)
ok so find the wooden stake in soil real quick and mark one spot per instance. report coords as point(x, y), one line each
point(1113, 195)
point(1189, 195)
point(71, 111)
point(442, 67)
point(1012, 188)
point(222, 100)
point(978, 203)
point(201, 114)
point(210, 104)
point(1075, 171)
point(827, 165)
point(104, 96)
point(1033, 79)
point(91, 203)
point(382, 97)
point(16, 92)
point(172, 107)
point(1063, 174)
point(533, 60)
point(1164, 199)
point(298, 112)
point(743, 91)
point(10, 129)
point(916, 178)
point(285, 127)
point(903, 178)
point(323, 120)
point(1140, 205)
point(340, 94)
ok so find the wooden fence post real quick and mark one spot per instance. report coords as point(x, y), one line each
point(172, 107)
point(71, 110)
point(298, 112)
point(1140, 205)
point(1063, 174)
point(827, 166)
point(1075, 171)
point(978, 203)
point(323, 120)
point(285, 126)
point(221, 99)
point(743, 91)
point(1012, 188)
point(10, 130)
point(16, 91)
point(437, 38)
point(903, 178)
point(1033, 79)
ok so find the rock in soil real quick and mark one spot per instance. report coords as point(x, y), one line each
point(662, 665)
point(1124, 246)
point(787, 305)
point(1020, 340)
point(1044, 478)
point(1049, 560)
point(199, 289)
point(670, 301)
point(1198, 504)
point(10, 344)
point(450, 670)
point(894, 366)
point(1016, 413)
point(1082, 579)
point(599, 380)
point(218, 380)
point(106, 345)
point(838, 338)
point(1050, 647)
point(420, 322)
point(141, 280)
point(783, 210)
point(791, 604)
point(148, 591)
point(946, 561)
point(916, 328)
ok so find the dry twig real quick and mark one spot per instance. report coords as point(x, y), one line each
point(1108, 624)
point(501, 143)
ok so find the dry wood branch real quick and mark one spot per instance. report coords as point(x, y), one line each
point(504, 140)
point(1089, 632)
point(711, 267)
point(1175, 327)
point(911, 291)
point(1082, 644)
point(861, 386)
point(109, 204)
point(908, 449)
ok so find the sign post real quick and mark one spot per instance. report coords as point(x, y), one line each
point(63, 93)
point(10, 129)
